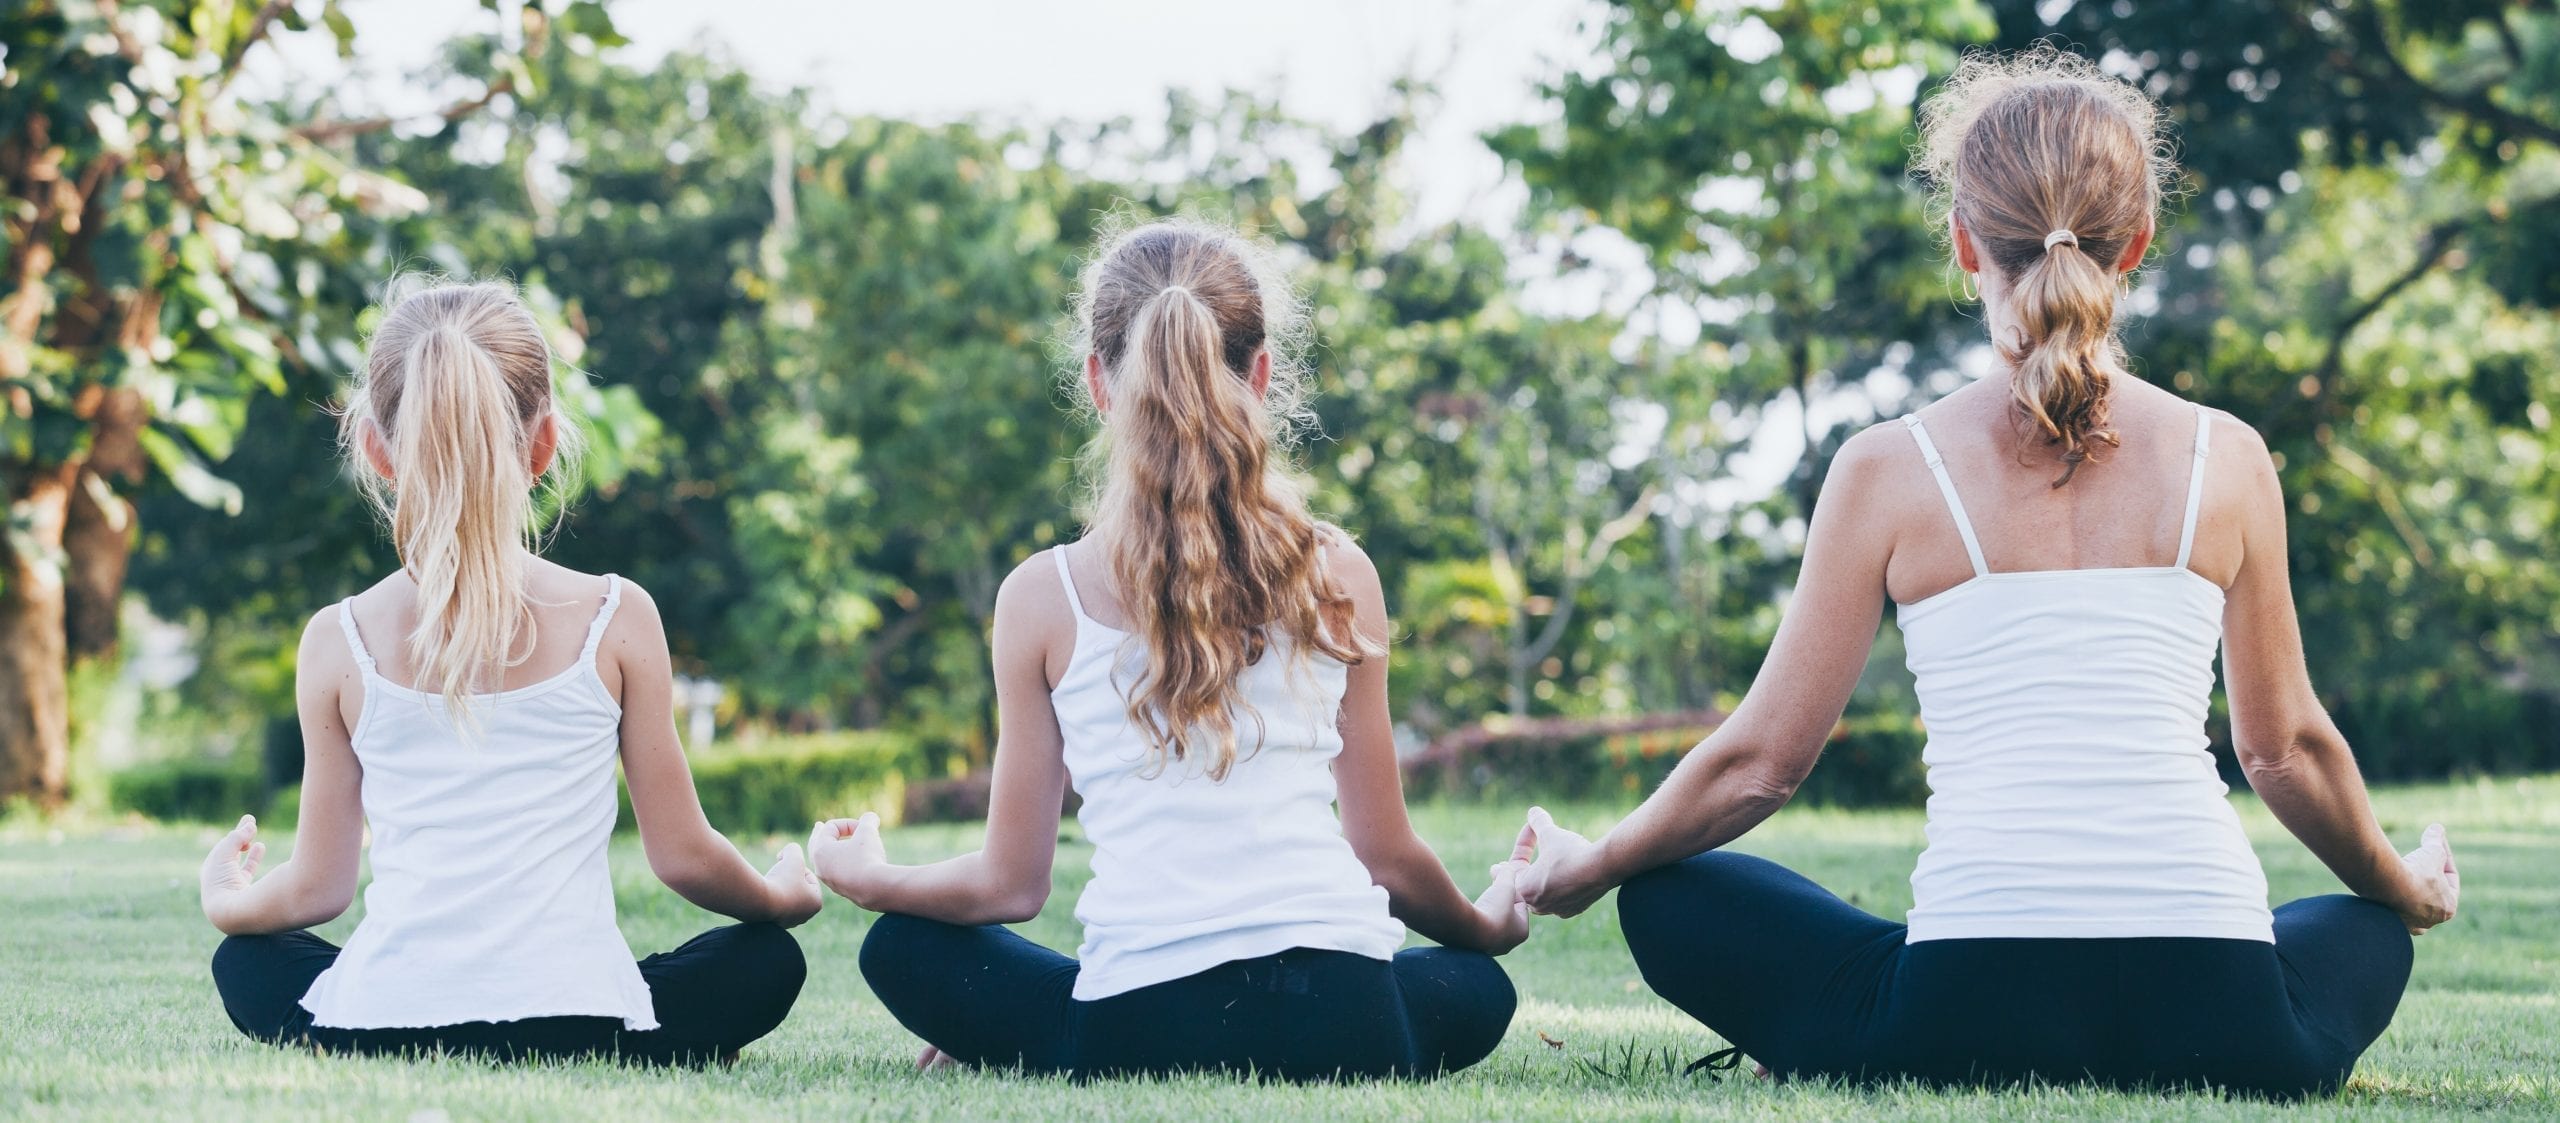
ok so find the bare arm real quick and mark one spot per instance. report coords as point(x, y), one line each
point(2293, 754)
point(1370, 790)
point(1752, 764)
point(690, 857)
point(1006, 881)
point(318, 884)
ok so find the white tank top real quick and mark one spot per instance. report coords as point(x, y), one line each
point(1189, 873)
point(2072, 793)
point(490, 900)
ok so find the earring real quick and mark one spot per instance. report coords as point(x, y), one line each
point(1972, 292)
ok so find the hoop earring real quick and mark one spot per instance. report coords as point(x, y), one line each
point(1972, 292)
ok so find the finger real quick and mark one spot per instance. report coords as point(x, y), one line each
point(257, 853)
point(1525, 847)
point(789, 856)
point(241, 832)
point(1539, 822)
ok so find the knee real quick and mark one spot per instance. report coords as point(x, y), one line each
point(777, 954)
point(1650, 903)
point(891, 946)
point(2370, 926)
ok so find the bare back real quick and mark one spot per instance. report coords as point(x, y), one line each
point(2123, 510)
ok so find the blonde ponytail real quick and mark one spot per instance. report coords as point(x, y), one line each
point(1206, 532)
point(2066, 307)
point(456, 379)
point(2055, 170)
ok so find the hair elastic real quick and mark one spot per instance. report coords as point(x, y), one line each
point(2060, 236)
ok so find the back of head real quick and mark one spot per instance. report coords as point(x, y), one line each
point(2055, 170)
point(1209, 541)
point(455, 384)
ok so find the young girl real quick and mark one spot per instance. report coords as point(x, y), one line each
point(470, 709)
point(1208, 668)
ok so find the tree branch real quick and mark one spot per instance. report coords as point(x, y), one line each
point(259, 25)
point(2474, 103)
point(326, 131)
point(2431, 251)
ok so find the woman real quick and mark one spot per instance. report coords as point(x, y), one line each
point(1207, 667)
point(2066, 547)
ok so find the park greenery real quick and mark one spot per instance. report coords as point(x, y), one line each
point(816, 351)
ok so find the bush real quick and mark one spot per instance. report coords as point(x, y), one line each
point(1872, 761)
point(196, 789)
point(785, 783)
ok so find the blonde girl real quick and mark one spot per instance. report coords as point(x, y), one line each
point(1207, 668)
point(469, 709)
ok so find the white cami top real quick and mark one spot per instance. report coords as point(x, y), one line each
point(1190, 873)
point(2072, 793)
point(490, 900)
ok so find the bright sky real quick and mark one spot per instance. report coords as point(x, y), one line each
point(1021, 60)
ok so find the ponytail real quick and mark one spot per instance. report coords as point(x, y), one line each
point(461, 511)
point(455, 381)
point(2066, 307)
point(2055, 170)
point(1207, 535)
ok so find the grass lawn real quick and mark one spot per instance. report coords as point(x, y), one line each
point(106, 1009)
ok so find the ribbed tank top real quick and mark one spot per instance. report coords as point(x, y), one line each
point(2072, 790)
point(1189, 873)
point(490, 899)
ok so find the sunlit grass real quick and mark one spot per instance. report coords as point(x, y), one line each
point(106, 1009)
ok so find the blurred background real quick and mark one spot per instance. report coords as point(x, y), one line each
point(1598, 289)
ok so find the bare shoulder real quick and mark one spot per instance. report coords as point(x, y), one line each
point(324, 653)
point(1870, 466)
point(1033, 596)
point(1349, 564)
point(638, 612)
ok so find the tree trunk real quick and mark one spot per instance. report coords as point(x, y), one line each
point(97, 537)
point(35, 698)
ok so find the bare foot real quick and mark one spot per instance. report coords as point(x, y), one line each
point(932, 1059)
point(1760, 1071)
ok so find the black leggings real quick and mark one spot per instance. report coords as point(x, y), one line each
point(987, 996)
point(1809, 985)
point(717, 992)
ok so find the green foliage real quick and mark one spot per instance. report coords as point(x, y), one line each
point(190, 789)
point(830, 405)
point(783, 784)
point(1871, 761)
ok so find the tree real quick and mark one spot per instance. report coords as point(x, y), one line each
point(165, 241)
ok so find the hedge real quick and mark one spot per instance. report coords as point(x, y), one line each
point(784, 783)
point(192, 789)
point(1871, 761)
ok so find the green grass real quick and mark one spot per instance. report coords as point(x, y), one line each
point(106, 1009)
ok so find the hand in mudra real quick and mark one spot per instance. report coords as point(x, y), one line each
point(1566, 876)
point(2435, 887)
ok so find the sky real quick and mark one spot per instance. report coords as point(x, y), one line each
point(1331, 61)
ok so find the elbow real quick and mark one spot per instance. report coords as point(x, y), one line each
point(1765, 790)
point(1019, 904)
point(2275, 752)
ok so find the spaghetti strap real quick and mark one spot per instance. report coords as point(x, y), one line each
point(1947, 487)
point(1067, 578)
point(2195, 486)
point(604, 616)
point(355, 642)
